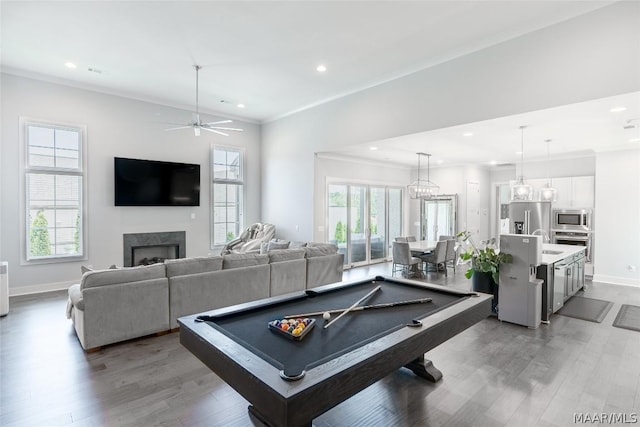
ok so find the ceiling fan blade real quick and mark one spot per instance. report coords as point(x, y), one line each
point(215, 131)
point(218, 122)
point(196, 118)
point(196, 130)
point(221, 128)
point(180, 127)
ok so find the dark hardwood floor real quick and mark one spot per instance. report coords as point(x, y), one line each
point(495, 374)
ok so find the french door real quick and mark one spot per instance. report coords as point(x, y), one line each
point(360, 219)
point(438, 217)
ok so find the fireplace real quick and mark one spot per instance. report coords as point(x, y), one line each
point(151, 248)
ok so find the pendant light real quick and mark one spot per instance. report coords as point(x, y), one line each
point(421, 189)
point(548, 193)
point(521, 191)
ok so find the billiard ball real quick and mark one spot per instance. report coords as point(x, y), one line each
point(326, 315)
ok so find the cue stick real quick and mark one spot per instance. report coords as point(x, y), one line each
point(364, 307)
point(354, 305)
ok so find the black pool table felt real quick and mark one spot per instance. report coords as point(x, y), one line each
point(250, 329)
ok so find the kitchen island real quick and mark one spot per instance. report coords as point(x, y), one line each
point(562, 270)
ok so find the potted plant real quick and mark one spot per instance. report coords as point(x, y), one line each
point(485, 260)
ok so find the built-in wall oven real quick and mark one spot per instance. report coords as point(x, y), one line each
point(578, 238)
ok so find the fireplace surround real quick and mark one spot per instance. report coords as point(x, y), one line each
point(149, 248)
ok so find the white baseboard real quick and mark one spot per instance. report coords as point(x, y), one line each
point(38, 289)
point(616, 280)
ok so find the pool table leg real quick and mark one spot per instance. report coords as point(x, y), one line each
point(424, 368)
point(259, 420)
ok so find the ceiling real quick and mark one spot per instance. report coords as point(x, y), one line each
point(264, 55)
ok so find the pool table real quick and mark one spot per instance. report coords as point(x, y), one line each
point(290, 382)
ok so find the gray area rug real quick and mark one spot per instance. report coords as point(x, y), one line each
point(593, 310)
point(628, 317)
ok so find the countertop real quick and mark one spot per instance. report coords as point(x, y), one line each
point(565, 251)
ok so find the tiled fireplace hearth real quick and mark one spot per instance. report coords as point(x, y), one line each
point(149, 248)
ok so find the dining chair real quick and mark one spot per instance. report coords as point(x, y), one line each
point(451, 258)
point(401, 239)
point(438, 257)
point(411, 238)
point(403, 261)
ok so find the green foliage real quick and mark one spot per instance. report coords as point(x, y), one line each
point(230, 236)
point(486, 259)
point(358, 228)
point(40, 242)
point(338, 199)
point(374, 229)
point(340, 234)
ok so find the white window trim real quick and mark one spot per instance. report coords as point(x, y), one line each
point(241, 181)
point(24, 169)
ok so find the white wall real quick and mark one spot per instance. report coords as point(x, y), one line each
point(617, 217)
point(115, 127)
point(589, 57)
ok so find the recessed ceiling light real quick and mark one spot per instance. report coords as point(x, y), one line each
point(618, 109)
point(321, 68)
point(467, 134)
point(70, 65)
point(634, 140)
point(240, 105)
point(493, 162)
point(440, 162)
point(373, 148)
point(518, 152)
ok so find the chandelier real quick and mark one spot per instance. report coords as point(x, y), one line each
point(421, 189)
point(520, 190)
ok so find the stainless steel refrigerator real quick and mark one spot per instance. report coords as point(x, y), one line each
point(527, 217)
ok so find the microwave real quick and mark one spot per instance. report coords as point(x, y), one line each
point(572, 219)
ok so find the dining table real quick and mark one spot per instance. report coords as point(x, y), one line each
point(422, 246)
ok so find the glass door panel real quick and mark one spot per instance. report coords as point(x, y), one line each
point(377, 221)
point(358, 223)
point(362, 221)
point(337, 218)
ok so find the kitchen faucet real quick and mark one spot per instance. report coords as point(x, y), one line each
point(545, 235)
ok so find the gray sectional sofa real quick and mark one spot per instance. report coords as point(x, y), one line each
point(110, 306)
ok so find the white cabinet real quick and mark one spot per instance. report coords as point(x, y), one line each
point(574, 192)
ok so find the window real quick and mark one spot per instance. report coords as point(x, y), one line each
point(54, 177)
point(227, 194)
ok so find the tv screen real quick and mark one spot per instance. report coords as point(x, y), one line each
point(155, 183)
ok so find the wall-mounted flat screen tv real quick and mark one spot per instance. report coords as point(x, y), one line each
point(155, 183)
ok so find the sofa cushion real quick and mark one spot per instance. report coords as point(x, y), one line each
point(320, 249)
point(122, 275)
point(243, 260)
point(183, 266)
point(273, 245)
point(294, 244)
point(279, 255)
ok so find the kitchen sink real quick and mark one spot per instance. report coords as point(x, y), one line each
point(549, 252)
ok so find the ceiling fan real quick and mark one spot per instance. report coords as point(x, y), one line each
point(196, 124)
